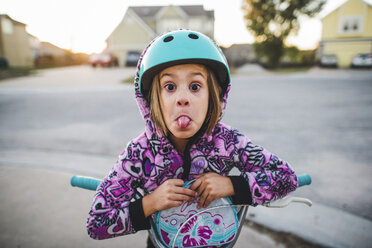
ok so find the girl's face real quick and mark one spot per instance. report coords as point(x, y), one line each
point(184, 99)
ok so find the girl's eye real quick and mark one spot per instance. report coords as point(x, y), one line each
point(169, 87)
point(195, 87)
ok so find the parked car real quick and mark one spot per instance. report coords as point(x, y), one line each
point(329, 60)
point(132, 58)
point(362, 60)
point(104, 60)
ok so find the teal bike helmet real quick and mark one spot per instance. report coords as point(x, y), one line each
point(182, 47)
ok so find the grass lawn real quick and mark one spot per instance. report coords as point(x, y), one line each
point(129, 80)
point(16, 72)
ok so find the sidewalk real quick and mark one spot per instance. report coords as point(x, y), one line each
point(72, 77)
point(322, 225)
point(40, 209)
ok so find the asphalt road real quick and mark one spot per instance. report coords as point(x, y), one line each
point(321, 122)
point(78, 120)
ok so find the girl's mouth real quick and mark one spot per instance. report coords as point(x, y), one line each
point(183, 121)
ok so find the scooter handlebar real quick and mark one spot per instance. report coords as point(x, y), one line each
point(304, 179)
point(91, 183)
point(85, 182)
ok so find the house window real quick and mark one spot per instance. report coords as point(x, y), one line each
point(146, 11)
point(351, 25)
point(7, 26)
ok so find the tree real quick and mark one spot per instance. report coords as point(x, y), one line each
point(272, 21)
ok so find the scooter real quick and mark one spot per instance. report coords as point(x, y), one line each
point(190, 216)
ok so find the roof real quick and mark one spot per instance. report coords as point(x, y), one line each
point(14, 21)
point(341, 3)
point(147, 12)
point(197, 10)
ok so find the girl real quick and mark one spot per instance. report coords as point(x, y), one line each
point(181, 87)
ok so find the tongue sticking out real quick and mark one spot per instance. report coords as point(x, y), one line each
point(183, 121)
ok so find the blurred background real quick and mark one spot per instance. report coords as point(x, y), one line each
point(52, 33)
point(301, 87)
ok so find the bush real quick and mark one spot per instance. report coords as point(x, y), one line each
point(3, 63)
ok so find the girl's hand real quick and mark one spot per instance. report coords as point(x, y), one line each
point(169, 194)
point(211, 186)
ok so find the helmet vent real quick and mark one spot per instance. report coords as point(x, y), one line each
point(193, 36)
point(168, 38)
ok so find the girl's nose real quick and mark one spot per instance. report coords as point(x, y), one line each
point(183, 97)
point(182, 101)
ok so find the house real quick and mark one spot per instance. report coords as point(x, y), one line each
point(347, 31)
point(239, 54)
point(44, 49)
point(34, 46)
point(46, 54)
point(14, 42)
point(143, 23)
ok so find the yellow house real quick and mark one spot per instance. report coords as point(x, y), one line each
point(15, 45)
point(143, 23)
point(347, 31)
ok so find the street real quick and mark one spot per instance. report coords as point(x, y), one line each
point(78, 119)
point(320, 122)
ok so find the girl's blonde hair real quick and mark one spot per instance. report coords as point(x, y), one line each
point(214, 104)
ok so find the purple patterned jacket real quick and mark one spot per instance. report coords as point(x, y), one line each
point(150, 159)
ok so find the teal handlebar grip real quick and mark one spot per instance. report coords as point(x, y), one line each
point(85, 182)
point(304, 179)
